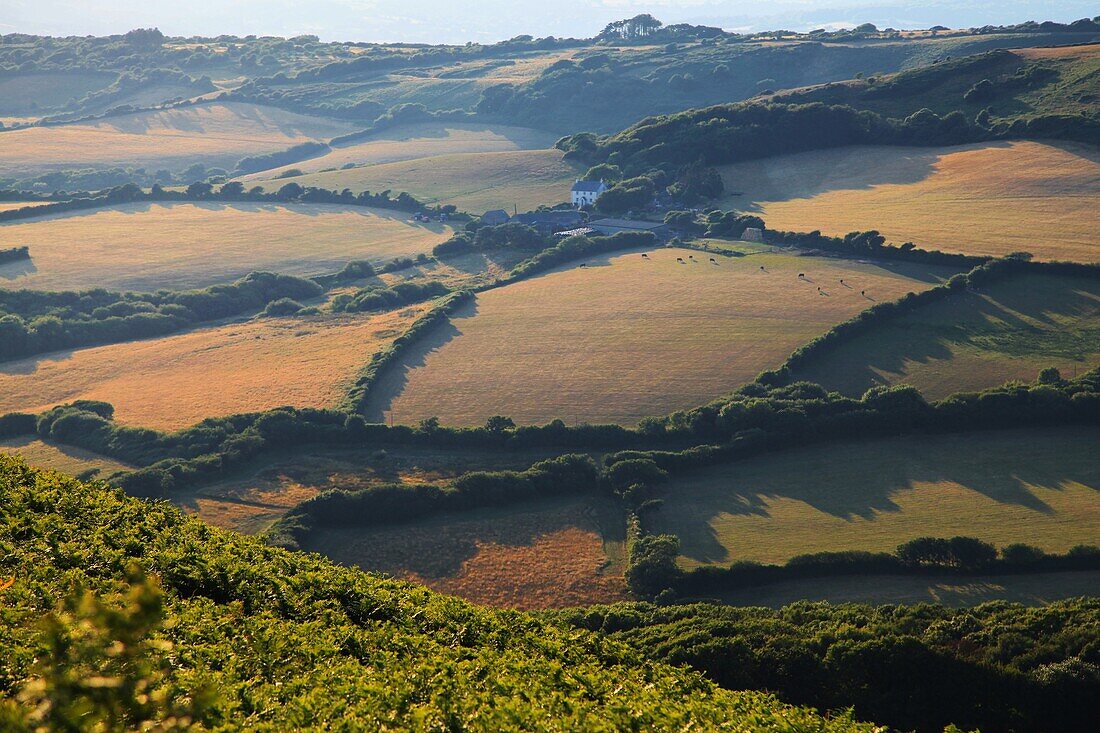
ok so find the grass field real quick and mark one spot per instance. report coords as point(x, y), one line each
point(1041, 487)
point(628, 337)
point(1036, 589)
point(217, 134)
point(1010, 330)
point(251, 501)
point(63, 458)
point(9, 205)
point(146, 247)
point(422, 140)
point(989, 199)
point(474, 182)
point(176, 381)
point(547, 554)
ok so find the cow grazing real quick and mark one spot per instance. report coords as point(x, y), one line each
point(645, 256)
point(801, 276)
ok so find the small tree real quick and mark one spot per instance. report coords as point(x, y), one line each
point(499, 423)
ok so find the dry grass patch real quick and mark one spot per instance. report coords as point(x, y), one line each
point(63, 458)
point(1041, 487)
point(176, 381)
point(1090, 51)
point(986, 199)
point(1010, 330)
point(9, 205)
point(474, 182)
point(627, 337)
point(547, 554)
point(422, 140)
point(147, 247)
point(217, 134)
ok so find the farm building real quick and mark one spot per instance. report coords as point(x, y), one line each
point(585, 193)
point(548, 222)
point(753, 234)
point(495, 217)
point(614, 226)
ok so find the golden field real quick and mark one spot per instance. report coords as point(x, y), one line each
point(147, 246)
point(547, 554)
point(1041, 487)
point(627, 337)
point(1010, 330)
point(474, 182)
point(216, 134)
point(421, 140)
point(985, 199)
point(175, 381)
point(63, 458)
point(9, 205)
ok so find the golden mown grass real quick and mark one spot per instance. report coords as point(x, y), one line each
point(9, 205)
point(474, 182)
point(217, 134)
point(63, 458)
point(627, 337)
point(176, 381)
point(422, 140)
point(1009, 330)
point(146, 247)
point(987, 199)
point(1041, 487)
point(548, 554)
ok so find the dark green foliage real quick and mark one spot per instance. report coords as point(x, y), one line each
point(379, 298)
point(995, 667)
point(33, 321)
point(244, 636)
point(294, 154)
point(391, 503)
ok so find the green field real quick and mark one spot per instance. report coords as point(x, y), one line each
point(36, 94)
point(420, 140)
point(1033, 589)
point(1041, 487)
point(474, 182)
point(151, 246)
point(1009, 330)
point(628, 337)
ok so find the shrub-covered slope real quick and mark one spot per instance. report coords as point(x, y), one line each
point(218, 630)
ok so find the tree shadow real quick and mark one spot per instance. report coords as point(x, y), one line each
point(392, 383)
point(17, 268)
point(850, 168)
point(1017, 317)
point(438, 547)
point(853, 481)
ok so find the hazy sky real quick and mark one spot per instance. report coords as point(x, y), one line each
point(452, 21)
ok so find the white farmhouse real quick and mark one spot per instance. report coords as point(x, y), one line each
point(585, 193)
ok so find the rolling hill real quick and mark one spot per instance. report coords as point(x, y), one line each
point(226, 632)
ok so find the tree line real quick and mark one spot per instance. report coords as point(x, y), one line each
point(922, 667)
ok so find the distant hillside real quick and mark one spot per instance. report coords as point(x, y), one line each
point(1033, 94)
point(1010, 85)
point(231, 634)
